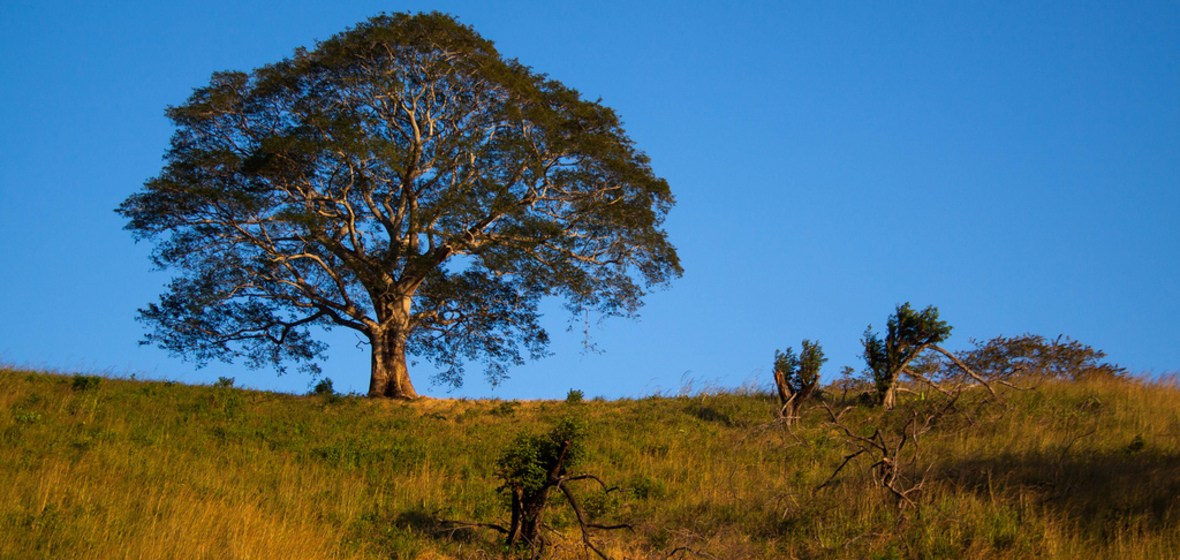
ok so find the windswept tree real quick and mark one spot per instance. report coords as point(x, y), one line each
point(908, 333)
point(1035, 357)
point(405, 181)
point(796, 377)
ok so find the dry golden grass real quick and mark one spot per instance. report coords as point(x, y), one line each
point(124, 469)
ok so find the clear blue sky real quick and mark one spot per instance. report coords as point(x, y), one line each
point(1016, 164)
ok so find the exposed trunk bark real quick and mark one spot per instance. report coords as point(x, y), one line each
point(529, 509)
point(527, 514)
point(514, 528)
point(784, 389)
point(790, 400)
point(889, 398)
point(390, 378)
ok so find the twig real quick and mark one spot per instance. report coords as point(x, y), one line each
point(1064, 452)
point(841, 467)
point(582, 522)
point(686, 549)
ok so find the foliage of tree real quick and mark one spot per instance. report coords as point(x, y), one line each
point(796, 377)
point(1034, 356)
point(403, 180)
point(530, 468)
point(908, 333)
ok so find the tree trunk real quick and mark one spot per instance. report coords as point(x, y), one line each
point(517, 516)
point(528, 509)
point(889, 397)
point(790, 400)
point(784, 389)
point(527, 514)
point(390, 378)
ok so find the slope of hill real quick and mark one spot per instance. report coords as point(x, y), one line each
point(116, 468)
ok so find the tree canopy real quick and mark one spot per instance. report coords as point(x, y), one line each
point(1034, 356)
point(404, 180)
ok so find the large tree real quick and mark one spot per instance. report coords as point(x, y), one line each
point(403, 180)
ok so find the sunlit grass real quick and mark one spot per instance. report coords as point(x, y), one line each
point(117, 468)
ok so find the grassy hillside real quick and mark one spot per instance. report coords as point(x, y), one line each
point(111, 468)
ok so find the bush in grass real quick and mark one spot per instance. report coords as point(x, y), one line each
point(85, 382)
point(530, 467)
point(324, 388)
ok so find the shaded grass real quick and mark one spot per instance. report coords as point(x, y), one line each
point(116, 468)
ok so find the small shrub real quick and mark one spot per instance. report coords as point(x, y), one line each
point(505, 409)
point(224, 383)
point(530, 467)
point(575, 396)
point(908, 334)
point(599, 503)
point(645, 487)
point(84, 383)
point(1135, 446)
point(529, 460)
point(324, 388)
point(797, 377)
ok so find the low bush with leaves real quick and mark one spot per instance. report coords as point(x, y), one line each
point(530, 467)
point(324, 388)
point(85, 382)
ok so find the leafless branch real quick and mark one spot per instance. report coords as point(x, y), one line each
point(680, 549)
point(582, 521)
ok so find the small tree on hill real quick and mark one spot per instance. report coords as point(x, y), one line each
point(796, 377)
point(909, 333)
point(405, 181)
point(530, 468)
point(1034, 356)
